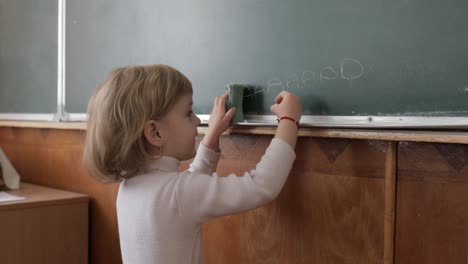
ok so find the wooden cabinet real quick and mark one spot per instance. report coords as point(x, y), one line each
point(49, 226)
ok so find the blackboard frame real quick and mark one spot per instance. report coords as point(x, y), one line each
point(374, 122)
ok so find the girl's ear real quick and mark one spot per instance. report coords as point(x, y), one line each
point(151, 133)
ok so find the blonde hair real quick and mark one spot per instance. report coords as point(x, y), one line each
point(115, 147)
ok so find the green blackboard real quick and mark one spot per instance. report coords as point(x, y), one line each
point(343, 57)
point(28, 56)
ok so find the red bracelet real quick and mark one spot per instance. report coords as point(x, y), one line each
point(288, 118)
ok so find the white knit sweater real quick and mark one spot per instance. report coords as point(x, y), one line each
point(160, 212)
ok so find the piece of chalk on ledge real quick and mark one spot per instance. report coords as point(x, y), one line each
point(236, 97)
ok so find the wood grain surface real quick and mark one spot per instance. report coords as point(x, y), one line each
point(432, 203)
point(331, 210)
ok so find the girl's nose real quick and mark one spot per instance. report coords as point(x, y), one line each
point(197, 120)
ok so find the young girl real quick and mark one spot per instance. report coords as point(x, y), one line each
point(140, 127)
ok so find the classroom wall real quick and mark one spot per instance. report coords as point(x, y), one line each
point(331, 209)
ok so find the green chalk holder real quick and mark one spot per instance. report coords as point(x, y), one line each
point(236, 97)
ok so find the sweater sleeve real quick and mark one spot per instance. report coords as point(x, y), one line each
point(203, 196)
point(205, 160)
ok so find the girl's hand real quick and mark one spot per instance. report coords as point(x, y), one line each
point(287, 104)
point(219, 122)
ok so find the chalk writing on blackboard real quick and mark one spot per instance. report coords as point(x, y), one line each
point(274, 82)
point(308, 76)
point(293, 82)
point(328, 73)
point(349, 69)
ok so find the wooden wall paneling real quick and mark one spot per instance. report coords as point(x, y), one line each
point(52, 158)
point(265, 235)
point(390, 189)
point(342, 196)
point(331, 209)
point(432, 203)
